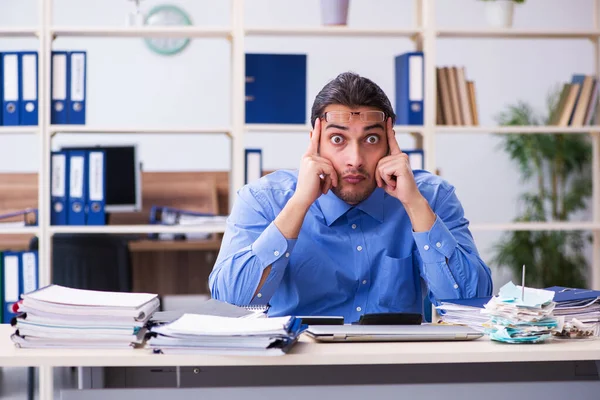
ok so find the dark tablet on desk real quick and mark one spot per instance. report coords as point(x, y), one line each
point(391, 333)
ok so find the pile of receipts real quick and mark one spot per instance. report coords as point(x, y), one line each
point(521, 316)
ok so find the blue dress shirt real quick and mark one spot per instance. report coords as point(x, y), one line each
point(347, 260)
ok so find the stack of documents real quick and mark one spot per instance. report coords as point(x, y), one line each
point(464, 312)
point(580, 309)
point(521, 316)
point(62, 317)
point(211, 334)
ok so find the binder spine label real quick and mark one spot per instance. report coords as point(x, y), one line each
point(59, 77)
point(58, 175)
point(29, 71)
point(96, 182)
point(77, 77)
point(415, 85)
point(29, 272)
point(11, 77)
point(76, 181)
point(11, 278)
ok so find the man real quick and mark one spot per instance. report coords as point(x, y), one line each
point(353, 231)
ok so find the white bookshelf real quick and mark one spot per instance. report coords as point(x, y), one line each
point(14, 130)
point(22, 32)
point(24, 230)
point(167, 31)
point(425, 35)
point(536, 226)
point(331, 31)
point(516, 129)
point(127, 229)
point(88, 129)
point(517, 33)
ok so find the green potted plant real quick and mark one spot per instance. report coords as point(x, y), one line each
point(499, 13)
point(559, 166)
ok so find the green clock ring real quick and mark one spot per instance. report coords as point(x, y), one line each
point(167, 15)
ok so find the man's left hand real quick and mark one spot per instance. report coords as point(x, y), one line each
point(394, 173)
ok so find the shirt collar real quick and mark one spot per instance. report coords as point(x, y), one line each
point(333, 207)
point(373, 205)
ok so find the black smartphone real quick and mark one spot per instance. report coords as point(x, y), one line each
point(321, 320)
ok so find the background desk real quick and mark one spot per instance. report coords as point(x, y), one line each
point(173, 266)
point(416, 366)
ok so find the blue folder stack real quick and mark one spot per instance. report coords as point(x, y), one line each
point(19, 88)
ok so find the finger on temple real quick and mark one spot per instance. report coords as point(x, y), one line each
point(392, 143)
point(313, 145)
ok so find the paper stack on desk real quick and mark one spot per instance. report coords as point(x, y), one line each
point(211, 334)
point(464, 312)
point(62, 317)
point(518, 316)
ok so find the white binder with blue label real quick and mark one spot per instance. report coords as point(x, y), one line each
point(59, 182)
point(29, 271)
point(77, 95)
point(28, 113)
point(12, 283)
point(77, 187)
point(253, 165)
point(96, 188)
point(59, 87)
point(11, 103)
point(416, 158)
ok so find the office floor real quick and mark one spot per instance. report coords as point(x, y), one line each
point(13, 382)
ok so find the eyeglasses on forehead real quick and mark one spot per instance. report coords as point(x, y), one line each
point(346, 116)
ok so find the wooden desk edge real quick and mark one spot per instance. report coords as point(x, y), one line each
point(174, 245)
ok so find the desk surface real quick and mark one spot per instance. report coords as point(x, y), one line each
point(174, 245)
point(309, 352)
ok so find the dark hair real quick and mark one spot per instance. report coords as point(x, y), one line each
point(351, 90)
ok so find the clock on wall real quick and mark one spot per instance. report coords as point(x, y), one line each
point(167, 15)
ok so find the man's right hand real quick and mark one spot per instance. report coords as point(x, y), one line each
point(316, 175)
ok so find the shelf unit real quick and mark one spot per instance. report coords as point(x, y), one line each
point(424, 34)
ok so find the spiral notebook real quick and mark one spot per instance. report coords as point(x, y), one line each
point(213, 307)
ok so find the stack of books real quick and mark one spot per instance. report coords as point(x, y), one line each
point(62, 317)
point(577, 102)
point(456, 101)
point(212, 334)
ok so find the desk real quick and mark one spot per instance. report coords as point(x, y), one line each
point(143, 245)
point(423, 362)
point(169, 267)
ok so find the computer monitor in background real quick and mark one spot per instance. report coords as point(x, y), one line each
point(123, 177)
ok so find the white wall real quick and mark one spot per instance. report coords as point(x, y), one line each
point(130, 86)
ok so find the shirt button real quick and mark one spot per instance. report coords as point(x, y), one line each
point(287, 254)
point(365, 282)
point(438, 245)
point(426, 247)
point(259, 295)
point(358, 309)
point(353, 226)
point(455, 286)
point(276, 253)
point(359, 248)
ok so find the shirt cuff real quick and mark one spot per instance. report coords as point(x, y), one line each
point(437, 244)
point(272, 248)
